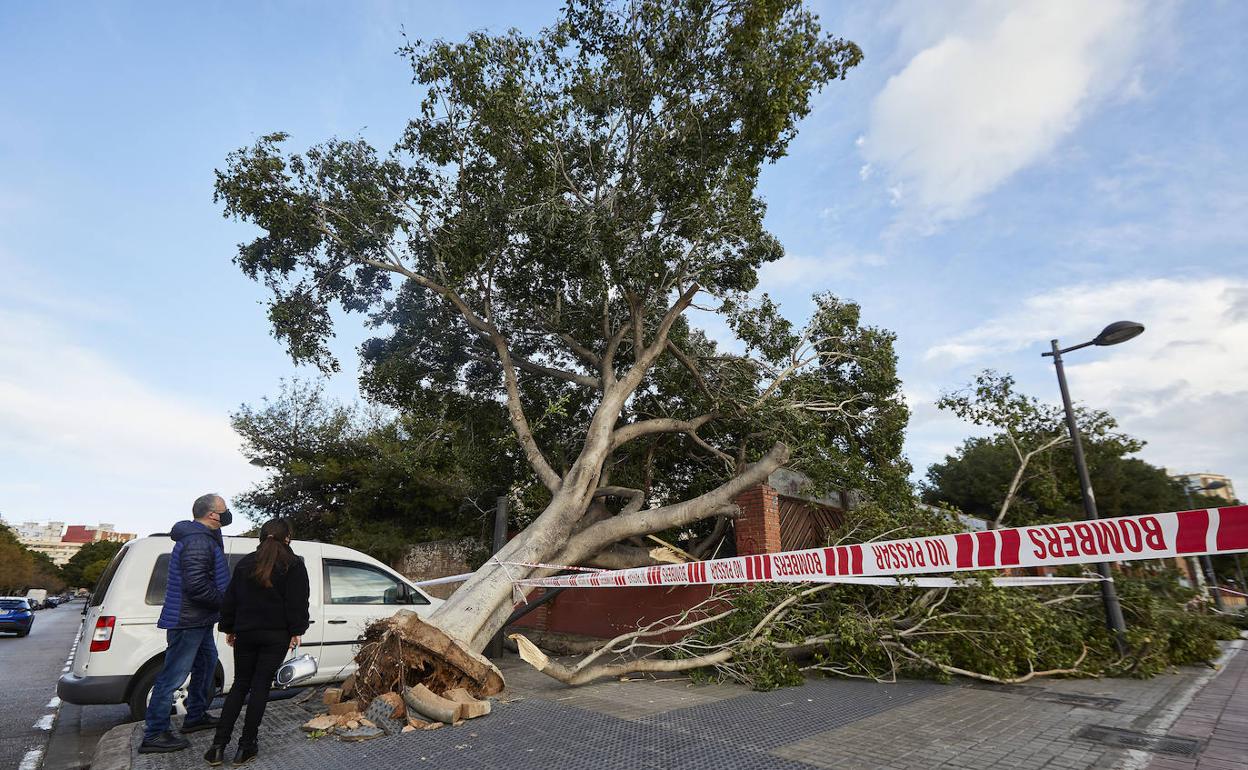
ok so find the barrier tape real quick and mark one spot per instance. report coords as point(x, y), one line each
point(442, 580)
point(1125, 538)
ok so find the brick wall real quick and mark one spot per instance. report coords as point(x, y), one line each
point(604, 613)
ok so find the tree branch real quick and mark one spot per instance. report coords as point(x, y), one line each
point(635, 430)
point(595, 538)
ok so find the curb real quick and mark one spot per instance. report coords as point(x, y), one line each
point(113, 750)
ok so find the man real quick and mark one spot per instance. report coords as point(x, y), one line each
point(198, 576)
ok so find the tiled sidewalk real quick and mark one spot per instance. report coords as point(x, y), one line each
point(826, 723)
point(1218, 717)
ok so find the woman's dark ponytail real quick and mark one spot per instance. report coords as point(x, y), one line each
point(273, 551)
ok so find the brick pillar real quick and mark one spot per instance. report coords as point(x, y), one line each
point(758, 526)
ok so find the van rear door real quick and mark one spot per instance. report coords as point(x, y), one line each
point(91, 611)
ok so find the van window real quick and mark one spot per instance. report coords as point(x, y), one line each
point(159, 580)
point(353, 582)
point(106, 577)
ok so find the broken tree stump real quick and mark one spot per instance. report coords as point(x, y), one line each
point(423, 701)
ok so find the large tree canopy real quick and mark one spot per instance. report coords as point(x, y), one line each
point(534, 238)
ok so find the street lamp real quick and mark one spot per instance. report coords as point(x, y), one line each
point(1119, 331)
point(1211, 577)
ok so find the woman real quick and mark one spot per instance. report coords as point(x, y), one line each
point(264, 614)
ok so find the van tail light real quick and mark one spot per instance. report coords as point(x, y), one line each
point(103, 636)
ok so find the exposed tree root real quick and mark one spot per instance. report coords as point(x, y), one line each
point(402, 651)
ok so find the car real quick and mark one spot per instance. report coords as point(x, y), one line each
point(120, 649)
point(16, 615)
point(37, 597)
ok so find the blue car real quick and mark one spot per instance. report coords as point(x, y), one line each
point(16, 615)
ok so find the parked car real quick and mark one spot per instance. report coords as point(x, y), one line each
point(120, 649)
point(16, 615)
point(37, 597)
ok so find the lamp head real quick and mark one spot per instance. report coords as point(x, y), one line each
point(1118, 331)
point(1214, 485)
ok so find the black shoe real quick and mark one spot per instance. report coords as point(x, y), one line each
point(163, 743)
point(215, 755)
point(244, 755)
point(206, 722)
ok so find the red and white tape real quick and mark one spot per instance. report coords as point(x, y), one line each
point(1126, 538)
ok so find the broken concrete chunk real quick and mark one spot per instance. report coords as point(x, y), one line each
point(323, 722)
point(398, 709)
point(472, 708)
point(362, 733)
point(332, 695)
point(424, 702)
point(344, 707)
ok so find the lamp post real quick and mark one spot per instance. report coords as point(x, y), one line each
point(1119, 331)
point(1211, 577)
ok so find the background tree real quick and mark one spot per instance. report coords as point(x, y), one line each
point(75, 571)
point(21, 568)
point(371, 479)
point(534, 239)
point(16, 564)
point(1024, 470)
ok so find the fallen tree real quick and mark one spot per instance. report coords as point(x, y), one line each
point(534, 241)
point(771, 635)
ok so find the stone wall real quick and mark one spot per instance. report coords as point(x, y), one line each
point(440, 558)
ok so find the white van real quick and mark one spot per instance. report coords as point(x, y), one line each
point(120, 649)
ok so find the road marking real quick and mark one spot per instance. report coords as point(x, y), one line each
point(45, 722)
point(65, 670)
point(31, 760)
point(55, 703)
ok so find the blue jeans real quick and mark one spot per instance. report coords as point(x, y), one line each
point(190, 651)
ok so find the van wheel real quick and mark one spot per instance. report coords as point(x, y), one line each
point(142, 693)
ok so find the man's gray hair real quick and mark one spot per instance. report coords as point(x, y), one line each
point(203, 504)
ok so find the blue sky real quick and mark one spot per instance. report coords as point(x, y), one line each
point(992, 176)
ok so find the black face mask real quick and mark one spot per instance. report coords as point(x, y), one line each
point(226, 517)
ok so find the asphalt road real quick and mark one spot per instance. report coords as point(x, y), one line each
point(29, 668)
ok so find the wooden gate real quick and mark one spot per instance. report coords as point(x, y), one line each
point(804, 524)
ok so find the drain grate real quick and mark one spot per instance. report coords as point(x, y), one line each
point(1130, 739)
point(1074, 699)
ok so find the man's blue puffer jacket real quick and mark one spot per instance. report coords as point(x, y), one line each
point(198, 576)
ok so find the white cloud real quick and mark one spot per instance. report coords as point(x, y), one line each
point(91, 442)
point(1182, 386)
point(994, 89)
point(814, 273)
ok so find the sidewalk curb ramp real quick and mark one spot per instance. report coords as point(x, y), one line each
point(113, 752)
